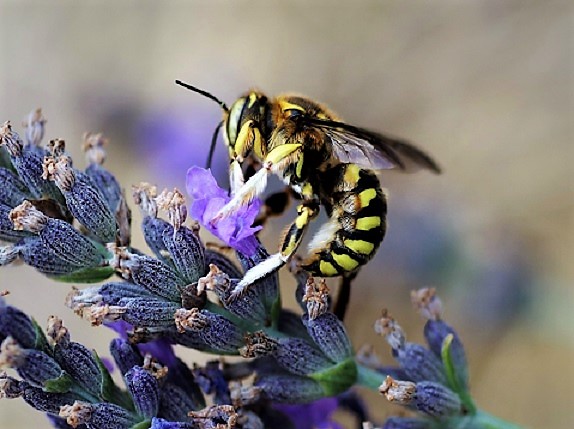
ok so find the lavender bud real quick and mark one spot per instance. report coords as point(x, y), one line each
point(330, 335)
point(37, 254)
point(125, 355)
point(78, 361)
point(186, 251)
point(175, 403)
point(406, 423)
point(46, 401)
point(28, 163)
point(215, 330)
point(103, 180)
point(299, 357)
point(436, 400)
point(8, 254)
point(436, 332)
point(290, 324)
point(13, 191)
point(107, 184)
point(153, 228)
point(148, 312)
point(98, 416)
point(212, 381)
point(419, 363)
point(16, 324)
point(181, 375)
point(250, 307)
point(290, 389)
point(155, 276)
point(33, 366)
point(268, 287)
point(59, 236)
point(143, 388)
point(111, 293)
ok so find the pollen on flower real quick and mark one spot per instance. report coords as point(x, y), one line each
point(427, 303)
point(226, 413)
point(317, 297)
point(242, 396)
point(388, 327)
point(258, 344)
point(402, 392)
point(34, 125)
point(77, 413)
point(56, 330)
point(10, 353)
point(26, 217)
point(173, 202)
point(57, 147)
point(93, 147)
point(189, 319)
point(59, 169)
point(214, 279)
point(10, 139)
point(155, 368)
point(144, 196)
point(118, 259)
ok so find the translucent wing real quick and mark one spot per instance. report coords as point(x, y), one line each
point(372, 150)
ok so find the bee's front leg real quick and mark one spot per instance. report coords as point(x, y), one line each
point(275, 162)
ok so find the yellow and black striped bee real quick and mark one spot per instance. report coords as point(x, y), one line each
point(326, 162)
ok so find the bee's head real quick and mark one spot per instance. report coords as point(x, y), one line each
point(250, 110)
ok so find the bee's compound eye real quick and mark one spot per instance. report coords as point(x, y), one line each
point(233, 120)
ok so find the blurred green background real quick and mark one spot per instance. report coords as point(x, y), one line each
point(487, 87)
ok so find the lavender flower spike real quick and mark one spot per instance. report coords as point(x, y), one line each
point(208, 199)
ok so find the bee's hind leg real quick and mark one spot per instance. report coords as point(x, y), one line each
point(292, 238)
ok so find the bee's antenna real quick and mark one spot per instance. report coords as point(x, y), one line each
point(213, 143)
point(204, 93)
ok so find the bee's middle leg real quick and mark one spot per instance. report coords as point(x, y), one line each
point(274, 205)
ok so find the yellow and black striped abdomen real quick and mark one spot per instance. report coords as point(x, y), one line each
point(356, 226)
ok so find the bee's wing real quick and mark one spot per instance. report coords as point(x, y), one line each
point(373, 150)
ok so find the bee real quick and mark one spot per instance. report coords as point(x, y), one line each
point(327, 163)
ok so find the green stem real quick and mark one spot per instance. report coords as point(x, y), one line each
point(369, 378)
point(487, 421)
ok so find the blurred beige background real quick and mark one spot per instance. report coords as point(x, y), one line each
point(486, 86)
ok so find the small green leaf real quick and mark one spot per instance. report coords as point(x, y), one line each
point(337, 378)
point(142, 425)
point(41, 342)
point(62, 384)
point(110, 391)
point(452, 375)
point(86, 275)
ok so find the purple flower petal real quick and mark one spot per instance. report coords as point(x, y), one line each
point(208, 198)
point(314, 415)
